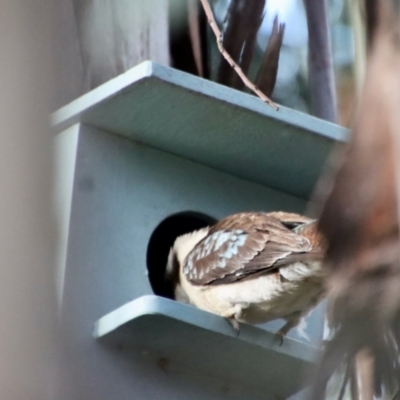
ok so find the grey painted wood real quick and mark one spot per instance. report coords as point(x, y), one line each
point(197, 146)
point(211, 124)
point(206, 344)
point(122, 191)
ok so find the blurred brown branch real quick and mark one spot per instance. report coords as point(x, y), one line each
point(360, 219)
point(195, 36)
point(371, 17)
point(322, 81)
point(243, 22)
point(266, 77)
point(229, 59)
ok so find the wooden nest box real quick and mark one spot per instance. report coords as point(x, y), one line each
point(145, 157)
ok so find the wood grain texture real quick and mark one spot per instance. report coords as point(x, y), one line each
point(98, 40)
point(116, 35)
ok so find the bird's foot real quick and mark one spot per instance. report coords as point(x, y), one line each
point(292, 321)
point(235, 325)
point(280, 336)
point(281, 333)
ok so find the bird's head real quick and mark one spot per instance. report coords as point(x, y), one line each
point(183, 245)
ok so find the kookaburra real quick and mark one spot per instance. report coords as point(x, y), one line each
point(251, 267)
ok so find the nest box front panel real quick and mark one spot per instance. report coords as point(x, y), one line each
point(122, 192)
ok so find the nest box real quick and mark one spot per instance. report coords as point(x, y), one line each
point(145, 157)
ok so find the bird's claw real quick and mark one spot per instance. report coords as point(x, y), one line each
point(235, 325)
point(281, 336)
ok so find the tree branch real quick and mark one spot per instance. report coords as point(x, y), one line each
point(232, 63)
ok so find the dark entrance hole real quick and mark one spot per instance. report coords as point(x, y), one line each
point(161, 242)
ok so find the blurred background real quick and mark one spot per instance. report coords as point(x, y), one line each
point(97, 40)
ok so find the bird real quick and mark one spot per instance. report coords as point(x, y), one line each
point(251, 267)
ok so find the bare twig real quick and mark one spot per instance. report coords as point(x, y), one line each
point(218, 35)
point(266, 77)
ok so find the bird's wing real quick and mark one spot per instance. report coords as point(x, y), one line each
point(245, 244)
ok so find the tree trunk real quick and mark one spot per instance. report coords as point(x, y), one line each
point(100, 39)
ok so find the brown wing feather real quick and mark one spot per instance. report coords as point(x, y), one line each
point(245, 244)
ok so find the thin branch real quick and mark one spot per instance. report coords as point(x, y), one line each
point(218, 35)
